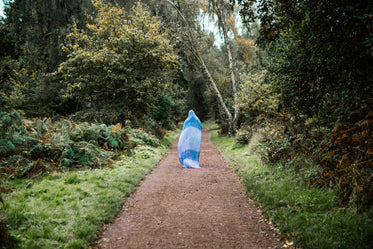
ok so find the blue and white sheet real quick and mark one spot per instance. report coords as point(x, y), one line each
point(189, 145)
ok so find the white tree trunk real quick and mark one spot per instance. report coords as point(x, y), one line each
point(221, 21)
point(198, 56)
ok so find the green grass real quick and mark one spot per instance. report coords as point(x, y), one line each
point(67, 210)
point(311, 217)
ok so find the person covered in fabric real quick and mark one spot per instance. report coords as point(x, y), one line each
point(189, 145)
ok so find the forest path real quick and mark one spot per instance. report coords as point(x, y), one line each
point(176, 207)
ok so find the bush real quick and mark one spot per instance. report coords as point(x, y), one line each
point(243, 135)
point(32, 147)
point(6, 147)
point(347, 159)
point(256, 97)
point(11, 123)
point(101, 116)
point(342, 158)
point(275, 145)
point(140, 137)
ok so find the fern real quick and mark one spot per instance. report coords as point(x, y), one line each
point(347, 159)
point(6, 147)
point(33, 146)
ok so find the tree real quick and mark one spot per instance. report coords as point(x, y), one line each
point(321, 65)
point(40, 26)
point(7, 55)
point(322, 56)
point(225, 14)
point(36, 30)
point(190, 39)
point(122, 61)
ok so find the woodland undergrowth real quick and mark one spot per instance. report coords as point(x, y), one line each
point(52, 156)
point(306, 214)
point(29, 148)
point(340, 158)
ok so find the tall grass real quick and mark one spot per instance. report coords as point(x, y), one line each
point(311, 217)
point(67, 210)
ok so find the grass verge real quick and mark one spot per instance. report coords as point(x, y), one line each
point(311, 217)
point(67, 210)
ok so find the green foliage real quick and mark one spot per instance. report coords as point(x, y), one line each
point(163, 109)
point(6, 67)
point(140, 137)
point(276, 145)
point(320, 66)
point(38, 29)
point(321, 61)
point(257, 99)
point(311, 217)
point(6, 147)
point(258, 102)
point(24, 89)
point(31, 148)
point(12, 133)
point(31, 35)
point(243, 135)
point(124, 60)
point(22, 86)
point(339, 159)
point(256, 96)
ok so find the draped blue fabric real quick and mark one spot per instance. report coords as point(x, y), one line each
point(189, 145)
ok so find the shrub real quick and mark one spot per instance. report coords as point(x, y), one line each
point(140, 137)
point(102, 116)
point(6, 147)
point(274, 145)
point(243, 135)
point(347, 159)
point(32, 147)
point(11, 123)
point(256, 97)
point(342, 158)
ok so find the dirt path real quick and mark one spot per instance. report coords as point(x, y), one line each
point(189, 208)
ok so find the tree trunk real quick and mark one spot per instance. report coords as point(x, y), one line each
point(198, 56)
point(221, 22)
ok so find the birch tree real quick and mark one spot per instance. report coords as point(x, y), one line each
point(191, 41)
point(224, 13)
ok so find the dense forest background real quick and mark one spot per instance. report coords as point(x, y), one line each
point(295, 75)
